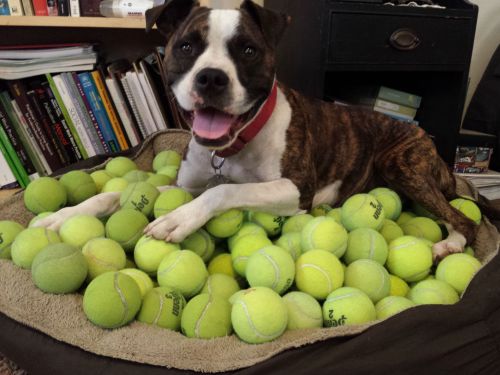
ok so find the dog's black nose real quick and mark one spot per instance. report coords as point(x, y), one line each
point(211, 80)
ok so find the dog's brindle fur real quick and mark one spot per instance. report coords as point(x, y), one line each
point(326, 152)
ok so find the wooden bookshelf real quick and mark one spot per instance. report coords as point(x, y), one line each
point(90, 22)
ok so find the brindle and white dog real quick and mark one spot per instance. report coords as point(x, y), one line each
point(283, 152)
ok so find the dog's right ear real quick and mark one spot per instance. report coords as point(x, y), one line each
point(169, 16)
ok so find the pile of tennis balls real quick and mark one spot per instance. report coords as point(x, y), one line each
point(251, 273)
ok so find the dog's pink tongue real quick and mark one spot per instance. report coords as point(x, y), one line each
point(211, 123)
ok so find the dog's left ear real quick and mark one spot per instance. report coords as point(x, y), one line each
point(169, 16)
point(272, 24)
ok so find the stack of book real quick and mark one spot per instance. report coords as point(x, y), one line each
point(73, 8)
point(397, 104)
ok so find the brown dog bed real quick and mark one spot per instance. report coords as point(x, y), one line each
point(49, 334)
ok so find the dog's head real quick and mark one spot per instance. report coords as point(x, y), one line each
point(220, 64)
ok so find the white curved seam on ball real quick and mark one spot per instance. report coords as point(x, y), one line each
point(160, 309)
point(122, 297)
point(100, 261)
point(309, 239)
point(321, 271)
point(166, 270)
point(304, 312)
point(372, 245)
point(379, 271)
point(202, 315)
point(275, 267)
point(252, 326)
point(405, 245)
point(338, 298)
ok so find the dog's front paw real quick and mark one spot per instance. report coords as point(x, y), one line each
point(55, 220)
point(444, 248)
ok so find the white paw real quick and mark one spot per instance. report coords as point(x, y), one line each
point(57, 219)
point(444, 248)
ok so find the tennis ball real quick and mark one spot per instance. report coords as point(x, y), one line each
point(292, 243)
point(366, 243)
point(142, 279)
point(272, 224)
point(103, 255)
point(8, 231)
point(112, 300)
point(259, 315)
point(390, 230)
point(139, 196)
point(433, 292)
point(423, 227)
point(126, 227)
point(422, 212)
point(392, 305)
point(271, 267)
point(405, 217)
point(149, 252)
point(458, 270)
point(336, 214)
point(399, 287)
point(159, 180)
point(79, 186)
point(244, 247)
point(184, 271)
point(469, 208)
point(225, 224)
point(41, 215)
point(80, 229)
point(469, 251)
point(170, 171)
point(120, 165)
point(347, 306)
point(409, 258)
point(116, 184)
point(169, 200)
point(390, 201)
point(362, 211)
point(162, 306)
point(101, 177)
point(136, 176)
point(45, 194)
point(59, 268)
point(206, 316)
point(222, 263)
point(166, 158)
point(29, 243)
point(324, 233)
point(296, 223)
point(246, 228)
point(318, 273)
point(201, 243)
point(321, 210)
point(303, 311)
point(221, 285)
point(370, 277)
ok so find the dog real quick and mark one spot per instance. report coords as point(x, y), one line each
point(259, 145)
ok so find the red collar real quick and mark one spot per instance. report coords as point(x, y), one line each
point(254, 126)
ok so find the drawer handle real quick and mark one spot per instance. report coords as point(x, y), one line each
point(404, 40)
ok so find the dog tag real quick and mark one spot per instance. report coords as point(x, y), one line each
point(218, 178)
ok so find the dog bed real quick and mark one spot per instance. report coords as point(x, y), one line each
point(50, 334)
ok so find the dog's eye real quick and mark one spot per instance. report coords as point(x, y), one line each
point(249, 51)
point(186, 48)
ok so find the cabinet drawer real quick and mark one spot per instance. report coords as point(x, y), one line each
point(390, 39)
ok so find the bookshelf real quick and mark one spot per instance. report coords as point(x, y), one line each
point(72, 22)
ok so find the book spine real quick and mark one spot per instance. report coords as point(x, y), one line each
point(99, 111)
point(140, 100)
point(4, 8)
point(7, 176)
point(63, 7)
point(15, 8)
point(73, 113)
point(52, 8)
point(74, 8)
point(84, 114)
point(398, 108)
point(399, 97)
point(133, 107)
point(91, 120)
point(13, 160)
point(72, 133)
point(110, 111)
point(28, 8)
point(90, 8)
point(40, 7)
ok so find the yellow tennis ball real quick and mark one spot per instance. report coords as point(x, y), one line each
point(296, 223)
point(271, 267)
point(469, 208)
point(405, 217)
point(399, 287)
point(392, 305)
point(45, 194)
point(142, 279)
point(390, 201)
point(80, 229)
point(421, 211)
point(244, 247)
point(222, 263)
point(184, 271)
point(390, 230)
point(159, 180)
point(126, 227)
point(246, 228)
point(458, 270)
point(170, 171)
point(149, 252)
point(136, 176)
point(347, 306)
point(303, 311)
point(409, 258)
point(292, 243)
point(318, 273)
point(116, 184)
point(221, 285)
point(29, 243)
point(336, 214)
point(469, 251)
point(101, 177)
point(272, 224)
point(258, 315)
point(169, 200)
point(201, 242)
point(79, 186)
point(429, 292)
point(59, 268)
point(103, 255)
point(41, 215)
point(366, 243)
point(362, 211)
point(321, 210)
point(324, 233)
point(112, 300)
point(423, 227)
point(370, 277)
point(166, 158)
point(225, 224)
point(139, 196)
point(162, 306)
point(8, 231)
point(206, 316)
point(120, 165)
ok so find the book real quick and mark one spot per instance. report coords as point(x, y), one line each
point(4, 8)
point(40, 7)
point(404, 111)
point(13, 160)
point(97, 106)
point(39, 51)
point(140, 100)
point(74, 8)
point(28, 8)
point(90, 8)
point(15, 8)
point(63, 7)
point(52, 8)
point(399, 97)
point(6, 175)
point(110, 111)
